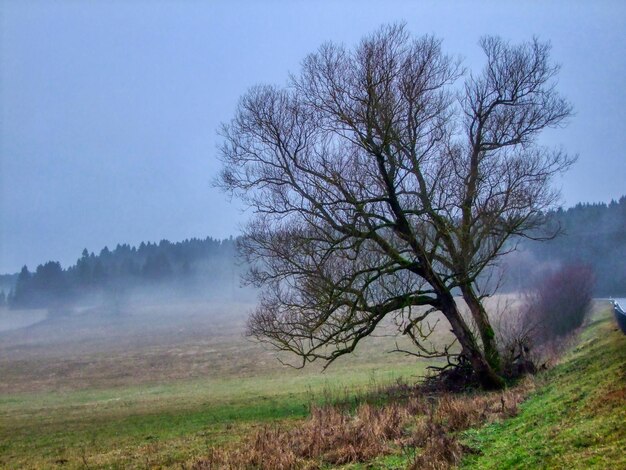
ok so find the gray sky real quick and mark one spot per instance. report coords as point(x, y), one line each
point(109, 110)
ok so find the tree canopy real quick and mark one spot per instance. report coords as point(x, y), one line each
point(592, 234)
point(386, 178)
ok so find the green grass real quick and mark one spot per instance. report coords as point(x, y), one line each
point(576, 420)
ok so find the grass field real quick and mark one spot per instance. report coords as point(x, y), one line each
point(160, 387)
point(161, 424)
point(571, 416)
point(157, 387)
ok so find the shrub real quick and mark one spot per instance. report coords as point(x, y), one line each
point(536, 330)
point(560, 301)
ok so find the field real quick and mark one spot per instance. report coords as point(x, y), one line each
point(157, 385)
point(160, 386)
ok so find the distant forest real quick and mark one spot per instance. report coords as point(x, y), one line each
point(190, 268)
point(592, 234)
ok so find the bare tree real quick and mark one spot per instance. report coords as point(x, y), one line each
point(380, 188)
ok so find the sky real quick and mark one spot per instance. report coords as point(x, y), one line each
point(109, 110)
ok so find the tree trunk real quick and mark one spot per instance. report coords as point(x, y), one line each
point(488, 377)
point(487, 335)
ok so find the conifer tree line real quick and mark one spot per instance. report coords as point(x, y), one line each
point(182, 265)
point(593, 234)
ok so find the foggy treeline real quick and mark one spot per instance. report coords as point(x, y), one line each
point(191, 268)
point(593, 235)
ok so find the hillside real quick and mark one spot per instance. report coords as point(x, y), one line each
point(575, 420)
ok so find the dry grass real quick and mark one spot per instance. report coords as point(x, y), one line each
point(177, 373)
point(181, 376)
point(332, 436)
point(436, 432)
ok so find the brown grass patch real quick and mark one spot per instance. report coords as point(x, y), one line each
point(606, 399)
point(335, 436)
point(436, 432)
point(330, 435)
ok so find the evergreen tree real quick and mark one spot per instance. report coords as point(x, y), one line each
point(157, 267)
point(23, 289)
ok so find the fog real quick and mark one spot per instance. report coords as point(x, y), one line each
point(148, 295)
point(127, 315)
point(148, 333)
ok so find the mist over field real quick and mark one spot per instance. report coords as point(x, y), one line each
point(179, 310)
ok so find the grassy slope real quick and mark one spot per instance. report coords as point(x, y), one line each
point(577, 420)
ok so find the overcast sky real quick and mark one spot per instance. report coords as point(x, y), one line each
point(109, 110)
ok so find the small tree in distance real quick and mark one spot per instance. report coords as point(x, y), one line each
point(380, 188)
